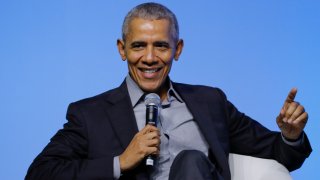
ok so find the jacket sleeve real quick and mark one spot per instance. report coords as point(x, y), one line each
point(249, 137)
point(66, 155)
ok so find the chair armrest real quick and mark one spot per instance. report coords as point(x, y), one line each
point(251, 168)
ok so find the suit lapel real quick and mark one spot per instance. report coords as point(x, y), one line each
point(121, 115)
point(123, 121)
point(200, 110)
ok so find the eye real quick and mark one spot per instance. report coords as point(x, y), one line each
point(138, 45)
point(162, 46)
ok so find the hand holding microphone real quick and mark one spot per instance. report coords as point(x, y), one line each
point(146, 142)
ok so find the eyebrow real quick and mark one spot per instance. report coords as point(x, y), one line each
point(161, 43)
point(138, 43)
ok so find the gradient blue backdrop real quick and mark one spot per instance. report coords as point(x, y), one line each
point(58, 51)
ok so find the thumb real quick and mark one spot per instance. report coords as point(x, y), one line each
point(281, 116)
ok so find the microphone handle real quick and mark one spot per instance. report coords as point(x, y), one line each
point(151, 118)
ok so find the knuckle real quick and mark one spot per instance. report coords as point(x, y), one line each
point(288, 114)
point(142, 151)
point(137, 138)
point(154, 142)
point(154, 149)
point(295, 104)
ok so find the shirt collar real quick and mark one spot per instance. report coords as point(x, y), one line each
point(137, 95)
point(172, 94)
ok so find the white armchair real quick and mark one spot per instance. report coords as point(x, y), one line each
point(250, 168)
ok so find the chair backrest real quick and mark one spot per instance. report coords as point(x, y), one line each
point(251, 168)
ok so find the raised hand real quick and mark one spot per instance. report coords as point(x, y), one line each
point(292, 118)
point(144, 143)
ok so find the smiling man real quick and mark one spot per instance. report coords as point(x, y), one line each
point(106, 136)
point(149, 47)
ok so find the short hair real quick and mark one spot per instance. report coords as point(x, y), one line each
point(151, 11)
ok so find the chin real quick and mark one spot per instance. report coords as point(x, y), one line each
point(150, 87)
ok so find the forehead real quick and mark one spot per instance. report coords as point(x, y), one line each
point(142, 27)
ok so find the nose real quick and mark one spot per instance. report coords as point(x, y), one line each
point(150, 57)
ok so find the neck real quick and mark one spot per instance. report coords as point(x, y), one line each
point(162, 91)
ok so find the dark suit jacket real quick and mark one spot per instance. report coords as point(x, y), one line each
point(101, 127)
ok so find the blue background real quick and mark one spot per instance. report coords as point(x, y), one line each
point(55, 52)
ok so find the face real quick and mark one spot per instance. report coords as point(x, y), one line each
point(149, 51)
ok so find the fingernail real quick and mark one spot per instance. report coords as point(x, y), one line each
point(290, 121)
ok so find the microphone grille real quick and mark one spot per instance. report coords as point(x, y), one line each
point(152, 99)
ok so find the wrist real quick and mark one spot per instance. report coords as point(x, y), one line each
point(122, 163)
point(292, 138)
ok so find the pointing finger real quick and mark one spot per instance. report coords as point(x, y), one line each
point(291, 95)
point(290, 98)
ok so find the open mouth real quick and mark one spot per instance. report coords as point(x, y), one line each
point(149, 70)
point(149, 73)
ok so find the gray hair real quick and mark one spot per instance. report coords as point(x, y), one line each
point(151, 11)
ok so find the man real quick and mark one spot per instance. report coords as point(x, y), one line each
point(106, 137)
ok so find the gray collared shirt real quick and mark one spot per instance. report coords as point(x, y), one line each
point(175, 124)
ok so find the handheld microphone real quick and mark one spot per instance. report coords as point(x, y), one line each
point(152, 102)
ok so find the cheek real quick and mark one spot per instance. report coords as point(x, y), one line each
point(168, 62)
point(132, 68)
point(133, 57)
point(166, 57)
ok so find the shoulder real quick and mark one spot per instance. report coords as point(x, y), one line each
point(103, 99)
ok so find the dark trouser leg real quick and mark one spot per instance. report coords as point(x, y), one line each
point(193, 165)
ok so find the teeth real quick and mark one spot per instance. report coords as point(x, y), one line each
point(150, 70)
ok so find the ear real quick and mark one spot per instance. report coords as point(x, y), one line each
point(121, 47)
point(179, 48)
